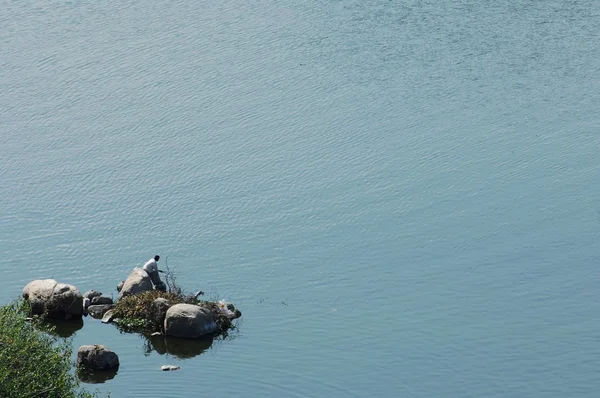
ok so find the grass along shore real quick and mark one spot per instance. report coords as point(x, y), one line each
point(34, 364)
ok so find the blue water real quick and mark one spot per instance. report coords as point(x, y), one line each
point(401, 197)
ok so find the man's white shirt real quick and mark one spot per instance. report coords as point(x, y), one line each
point(150, 266)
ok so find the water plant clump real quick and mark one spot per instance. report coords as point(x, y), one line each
point(139, 306)
point(137, 313)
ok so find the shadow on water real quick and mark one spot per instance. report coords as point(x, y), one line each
point(179, 348)
point(96, 377)
point(59, 328)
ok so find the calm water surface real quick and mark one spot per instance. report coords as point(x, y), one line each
point(401, 197)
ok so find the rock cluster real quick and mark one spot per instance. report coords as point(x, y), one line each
point(95, 304)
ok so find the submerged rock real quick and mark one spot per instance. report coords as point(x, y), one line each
point(58, 300)
point(188, 321)
point(96, 357)
point(180, 348)
point(96, 376)
point(138, 281)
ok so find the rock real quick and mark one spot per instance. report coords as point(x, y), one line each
point(96, 357)
point(101, 300)
point(189, 321)
point(120, 286)
point(137, 282)
point(91, 294)
point(156, 334)
point(169, 367)
point(98, 311)
point(58, 300)
point(108, 316)
point(159, 309)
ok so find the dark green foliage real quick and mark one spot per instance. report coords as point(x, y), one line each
point(33, 363)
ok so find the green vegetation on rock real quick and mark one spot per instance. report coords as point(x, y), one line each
point(135, 312)
point(139, 306)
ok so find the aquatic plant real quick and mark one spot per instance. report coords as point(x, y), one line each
point(136, 313)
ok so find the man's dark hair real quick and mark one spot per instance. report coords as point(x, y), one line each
point(156, 257)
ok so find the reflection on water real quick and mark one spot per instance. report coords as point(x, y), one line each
point(180, 348)
point(59, 328)
point(96, 377)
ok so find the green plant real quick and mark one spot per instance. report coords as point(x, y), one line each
point(33, 364)
point(135, 313)
point(139, 306)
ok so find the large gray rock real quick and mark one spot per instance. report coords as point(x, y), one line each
point(55, 299)
point(137, 282)
point(96, 357)
point(189, 321)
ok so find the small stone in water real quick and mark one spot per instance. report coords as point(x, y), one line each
point(108, 317)
point(169, 367)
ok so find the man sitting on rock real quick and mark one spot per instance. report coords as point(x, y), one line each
point(151, 269)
